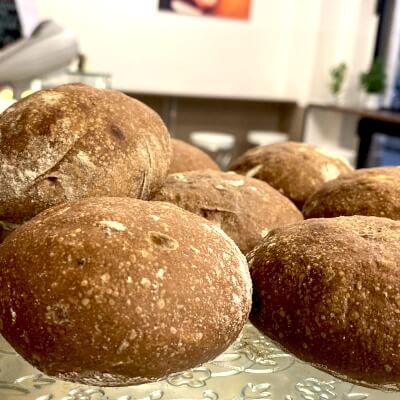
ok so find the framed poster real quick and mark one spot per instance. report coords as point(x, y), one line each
point(238, 9)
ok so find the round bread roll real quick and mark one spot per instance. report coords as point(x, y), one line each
point(245, 208)
point(186, 157)
point(328, 290)
point(116, 291)
point(295, 169)
point(75, 141)
point(369, 191)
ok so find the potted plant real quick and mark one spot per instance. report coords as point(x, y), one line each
point(373, 84)
point(337, 75)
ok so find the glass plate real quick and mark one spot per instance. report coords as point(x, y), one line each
point(252, 368)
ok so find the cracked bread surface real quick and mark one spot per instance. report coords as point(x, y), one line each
point(76, 141)
point(245, 208)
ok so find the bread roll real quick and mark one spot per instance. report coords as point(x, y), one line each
point(328, 290)
point(75, 141)
point(116, 291)
point(186, 157)
point(369, 191)
point(245, 208)
point(295, 169)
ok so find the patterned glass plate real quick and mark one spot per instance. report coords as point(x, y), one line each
point(252, 368)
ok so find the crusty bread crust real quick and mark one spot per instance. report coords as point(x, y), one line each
point(295, 169)
point(369, 191)
point(245, 208)
point(328, 290)
point(76, 141)
point(186, 157)
point(117, 291)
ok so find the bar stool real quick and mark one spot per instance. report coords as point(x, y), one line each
point(259, 138)
point(4, 104)
point(218, 145)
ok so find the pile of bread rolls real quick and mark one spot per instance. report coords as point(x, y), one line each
point(99, 285)
point(117, 238)
point(327, 289)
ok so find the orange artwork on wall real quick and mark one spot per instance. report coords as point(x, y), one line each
point(239, 9)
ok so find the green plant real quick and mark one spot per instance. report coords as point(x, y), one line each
point(373, 81)
point(337, 78)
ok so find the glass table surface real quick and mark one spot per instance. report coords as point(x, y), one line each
point(252, 368)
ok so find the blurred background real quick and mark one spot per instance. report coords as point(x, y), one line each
point(224, 74)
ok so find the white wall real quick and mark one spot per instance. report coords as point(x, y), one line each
point(279, 53)
point(347, 32)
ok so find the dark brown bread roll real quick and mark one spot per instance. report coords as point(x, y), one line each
point(295, 169)
point(369, 191)
point(117, 291)
point(328, 290)
point(245, 208)
point(186, 157)
point(75, 141)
